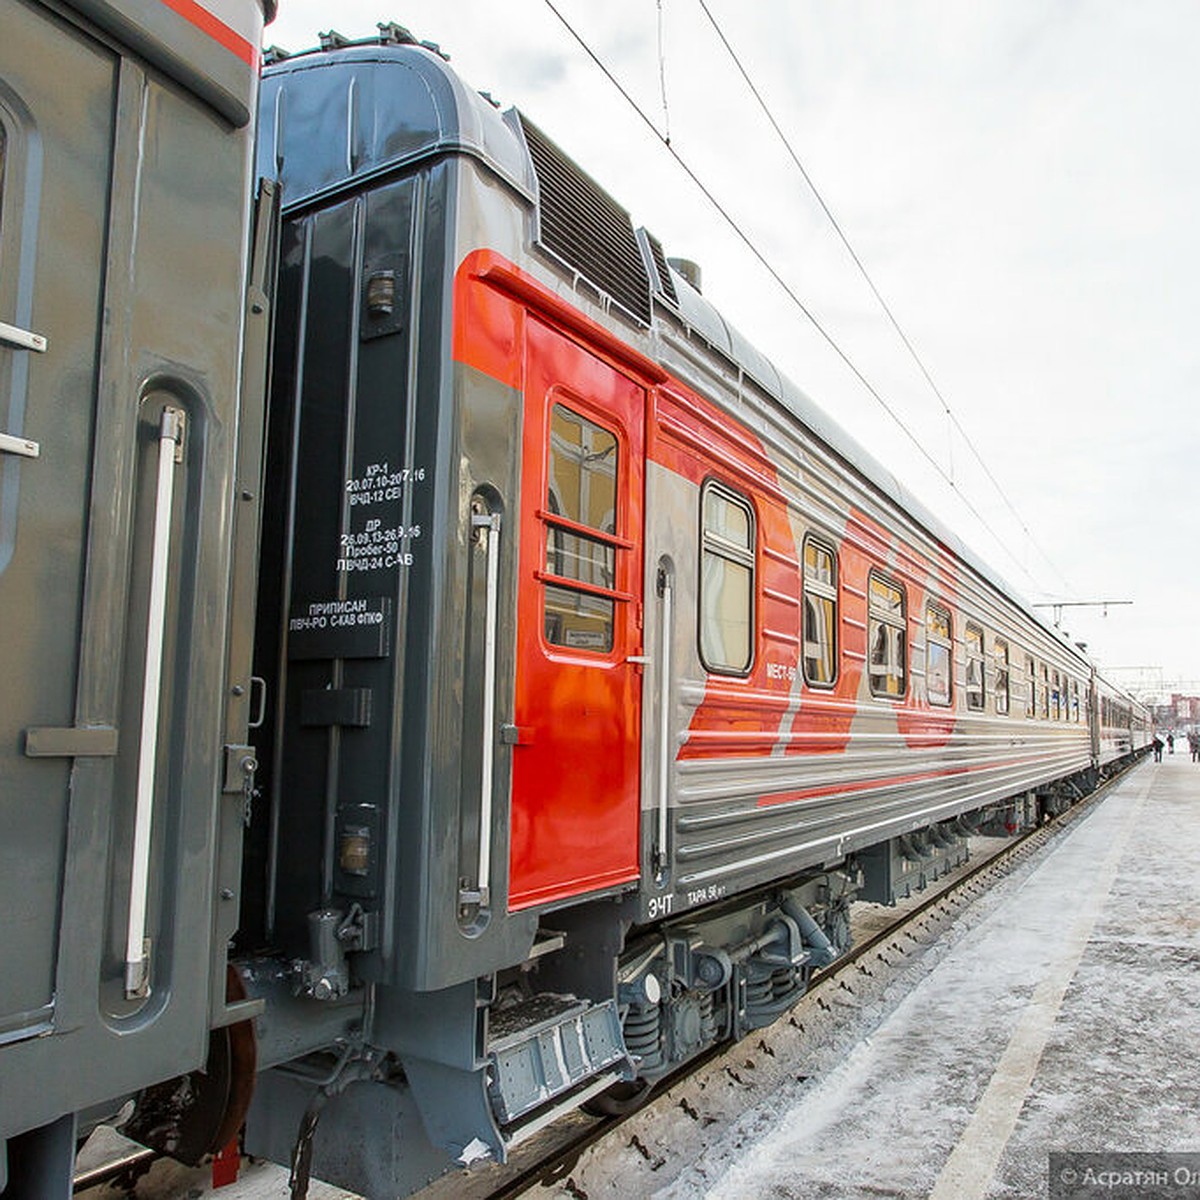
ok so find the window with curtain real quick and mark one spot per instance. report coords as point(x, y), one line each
point(820, 613)
point(726, 580)
point(973, 641)
point(939, 656)
point(887, 637)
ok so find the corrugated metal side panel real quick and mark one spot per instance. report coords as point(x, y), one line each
point(728, 829)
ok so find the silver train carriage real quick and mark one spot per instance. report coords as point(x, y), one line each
point(595, 670)
point(1123, 725)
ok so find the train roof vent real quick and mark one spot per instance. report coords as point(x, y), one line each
point(580, 223)
point(665, 285)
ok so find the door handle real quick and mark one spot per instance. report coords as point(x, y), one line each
point(19, 445)
point(486, 526)
point(137, 956)
point(22, 339)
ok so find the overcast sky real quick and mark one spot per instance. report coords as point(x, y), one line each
point(1021, 180)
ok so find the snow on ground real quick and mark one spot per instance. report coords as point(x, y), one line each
point(1080, 975)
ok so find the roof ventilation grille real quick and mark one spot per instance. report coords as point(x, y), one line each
point(580, 223)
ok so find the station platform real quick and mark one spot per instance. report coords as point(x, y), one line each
point(1062, 1019)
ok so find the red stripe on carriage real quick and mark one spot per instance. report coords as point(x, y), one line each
point(198, 15)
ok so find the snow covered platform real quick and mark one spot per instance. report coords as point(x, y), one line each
point(1063, 1014)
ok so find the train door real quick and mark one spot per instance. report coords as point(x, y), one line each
point(56, 138)
point(575, 781)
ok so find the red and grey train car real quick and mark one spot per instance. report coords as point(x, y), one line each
point(601, 669)
point(595, 670)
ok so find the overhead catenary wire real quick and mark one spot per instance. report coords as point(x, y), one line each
point(785, 287)
point(883, 304)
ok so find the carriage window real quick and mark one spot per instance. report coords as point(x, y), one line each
point(726, 581)
point(939, 656)
point(820, 613)
point(1045, 706)
point(582, 495)
point(975, 687)
point(1055, 709)
point(1000, 654)
point(886, 632)
point(1031, 684)
point(1075, 700)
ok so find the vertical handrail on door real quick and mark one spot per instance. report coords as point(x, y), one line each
point(488, 526)
point(137, 948)
point(664, 720)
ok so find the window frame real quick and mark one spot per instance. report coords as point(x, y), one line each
point(713, 543)
point(822, 591)
point(969, 630)
point(557, 525)
point(886, 620)
point(943, 641)
point(1031, 688)
point(1000, 644)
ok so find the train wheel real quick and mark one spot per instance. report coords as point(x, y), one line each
point(202, 1112)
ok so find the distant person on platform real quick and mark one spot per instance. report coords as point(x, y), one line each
point(1194, 745)
point(1158, 745)
point(1170, 743)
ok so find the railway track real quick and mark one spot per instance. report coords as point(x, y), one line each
point(888, 941)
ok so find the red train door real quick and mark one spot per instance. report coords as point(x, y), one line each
point(578, 696)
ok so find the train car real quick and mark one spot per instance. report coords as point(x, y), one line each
point(1123, 725)
point(600, 668)
point(125, 149)
point(596, 670)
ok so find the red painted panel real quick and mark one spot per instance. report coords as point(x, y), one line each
point(739, 717)
point(575, 788)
